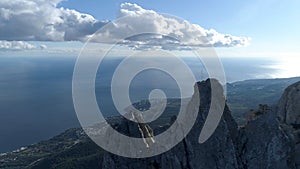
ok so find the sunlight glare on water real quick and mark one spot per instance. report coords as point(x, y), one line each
point(287, 67)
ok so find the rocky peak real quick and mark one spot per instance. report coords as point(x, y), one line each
point(264, 142)
point(219, 151)
point(288, 112)
point(288, 108)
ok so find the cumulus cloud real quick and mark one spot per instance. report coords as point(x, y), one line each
point(42, 20)
point(162, 31)
point(16, 45)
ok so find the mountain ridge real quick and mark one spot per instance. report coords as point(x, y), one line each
point(230, 146)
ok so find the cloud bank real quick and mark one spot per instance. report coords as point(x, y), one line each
point(166, 32)
point(16, 45)
point(42, 20)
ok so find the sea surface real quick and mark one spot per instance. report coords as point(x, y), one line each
point(36, 92)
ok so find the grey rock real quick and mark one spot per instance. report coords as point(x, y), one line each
point(297, 136)
point(297, 155)
point(108, 162)
point(288, 108)
point(264, 144)
point(220, 151)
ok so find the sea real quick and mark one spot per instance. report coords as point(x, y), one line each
point(36, 92)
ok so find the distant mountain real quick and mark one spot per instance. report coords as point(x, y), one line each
point(246, 95)
point(263, 142)
point(49, 88)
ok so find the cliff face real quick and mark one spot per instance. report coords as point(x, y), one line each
point(271, 138)
point(288, 110)
point(264, 142)
point(289, 106)
point(220, 151)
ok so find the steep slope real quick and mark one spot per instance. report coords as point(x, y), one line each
point(218, 152)
point(288, 107)
point(264, 142)
point(246, 95)
point(288, 110)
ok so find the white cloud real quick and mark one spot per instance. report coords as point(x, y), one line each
point(43, 47)
point(167, 32)
point(16, 45)
point(42, 20)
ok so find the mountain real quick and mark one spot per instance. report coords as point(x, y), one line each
point(288, 110)
point(244, 96)
point(53, 110)
point(289, 106)
point(263, 142)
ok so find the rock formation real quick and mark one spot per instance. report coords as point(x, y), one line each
point(219, 151)
point(269, 140)
point(288, 107)
point(265, 143)
point(262, 143)
point(288, 110)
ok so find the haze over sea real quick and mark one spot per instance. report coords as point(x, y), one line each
point(36, 92)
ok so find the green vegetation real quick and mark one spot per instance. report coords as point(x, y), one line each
point(33, 154)
point(74, 150)
point(246, 95)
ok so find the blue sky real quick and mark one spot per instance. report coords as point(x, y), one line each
point(268, 22)
point(272, 25)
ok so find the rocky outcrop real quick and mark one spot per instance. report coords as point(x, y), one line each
point(264, 142)
point(288, 111)
point(288, 108)
point(271, 137)
point(220, 151)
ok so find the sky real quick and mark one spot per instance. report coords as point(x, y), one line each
point(235, 28)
